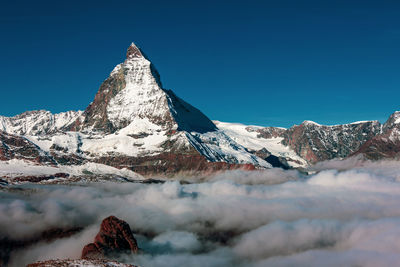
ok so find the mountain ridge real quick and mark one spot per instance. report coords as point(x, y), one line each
point(135, 123)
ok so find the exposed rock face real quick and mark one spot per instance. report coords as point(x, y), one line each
point(81, 263)
point(267, 132)
point(315, 142)
point(275, 161)
point(393, 122)
point(17, 147)
point(170, 164)
point(115, 236)
point(310, 142)
point(385, 145)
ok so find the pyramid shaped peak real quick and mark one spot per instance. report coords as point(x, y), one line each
point(134, 52)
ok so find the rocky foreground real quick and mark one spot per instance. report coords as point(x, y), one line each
point(114, 237)
point(79, 263)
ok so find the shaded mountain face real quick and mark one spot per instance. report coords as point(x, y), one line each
point(386, 144)
point(314, 142)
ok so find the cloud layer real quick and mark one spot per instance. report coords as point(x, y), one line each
point(345, 214)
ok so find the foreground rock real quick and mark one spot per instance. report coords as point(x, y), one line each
point(115, 236)
point(69, 263)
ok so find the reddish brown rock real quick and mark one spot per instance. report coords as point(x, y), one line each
point(115, 236)
point(314, 142)
point(17, 147)
point(87, 263)
point(383, 146)
point(171, 164)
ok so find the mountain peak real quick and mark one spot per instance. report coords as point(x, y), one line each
point(133, 52)
point(393, 121)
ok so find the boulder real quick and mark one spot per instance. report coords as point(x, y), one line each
point(115, 236)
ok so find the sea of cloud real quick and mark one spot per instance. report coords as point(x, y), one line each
point(345, 214)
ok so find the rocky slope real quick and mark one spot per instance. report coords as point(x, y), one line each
point(314, 142)
point(39, 122)
point(386, 144)
point(309, 142)
point(114, 237)
point(17, 147)
point(79, 263)
point(265, 142)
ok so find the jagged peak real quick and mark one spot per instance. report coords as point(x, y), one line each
point(396, 115)
point(134, 52)
point(394, 119)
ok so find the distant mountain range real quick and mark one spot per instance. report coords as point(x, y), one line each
point(134, 123)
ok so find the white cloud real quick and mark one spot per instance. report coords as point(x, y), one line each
point(339, 216)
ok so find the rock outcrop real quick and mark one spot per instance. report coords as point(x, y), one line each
point(385, 145)
point(314, 142)
point(310, 142)
point(133, 122)
point(17, 147)
point(80, 263)
point(38, 122)
point(115, 236)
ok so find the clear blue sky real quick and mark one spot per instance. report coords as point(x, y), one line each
point(272, 63)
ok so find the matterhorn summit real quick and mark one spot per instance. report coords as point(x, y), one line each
point(133, 95)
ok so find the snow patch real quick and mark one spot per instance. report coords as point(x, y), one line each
point(15, 167)
point(251, 140)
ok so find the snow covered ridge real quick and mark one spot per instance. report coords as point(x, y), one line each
point(310, 142)
point(38, 122)
point(19, 171)
point(257, 138)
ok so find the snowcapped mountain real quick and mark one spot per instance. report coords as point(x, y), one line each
point(314, 142)
point(266, 142)
point(136, 124)
point(39, 122)
point(310, 142)
point(133, 122)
